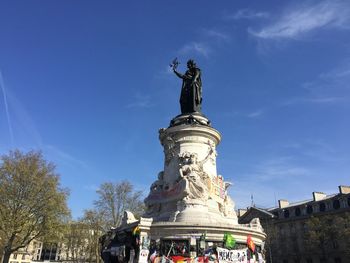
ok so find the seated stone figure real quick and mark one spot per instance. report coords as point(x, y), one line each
point(158, 184)
point(193, 177)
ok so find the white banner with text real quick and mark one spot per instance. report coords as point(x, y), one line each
point(232, 256)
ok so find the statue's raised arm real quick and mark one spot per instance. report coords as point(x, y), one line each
point(191, 91)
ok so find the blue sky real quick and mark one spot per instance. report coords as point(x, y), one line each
point(88, 83)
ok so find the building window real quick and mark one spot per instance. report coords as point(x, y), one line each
point(322, 207)
point(335, 244)
point(297, 211)
point(309, 209)
point(336, 204)
point(13, 261)
point(15, 256)
point(23, 256)
point(348, 201)
point(286, 213)
point(281, 230)
point(305, 228)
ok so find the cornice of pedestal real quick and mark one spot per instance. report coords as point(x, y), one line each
point(184, 130)
point(213, 231)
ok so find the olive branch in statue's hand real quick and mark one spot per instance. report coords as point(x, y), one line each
point(174, 64)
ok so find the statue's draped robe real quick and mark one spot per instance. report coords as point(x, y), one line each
point(194, 185)
point(191, 92)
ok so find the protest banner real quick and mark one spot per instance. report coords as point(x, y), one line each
point(232, 256)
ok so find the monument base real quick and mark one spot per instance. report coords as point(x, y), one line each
point(193, 238)
point(213, 232)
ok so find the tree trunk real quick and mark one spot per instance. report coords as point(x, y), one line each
point(97, 254)
point(6, 256)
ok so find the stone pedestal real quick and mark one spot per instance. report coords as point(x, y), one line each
point(189, 200)
point(189, 188)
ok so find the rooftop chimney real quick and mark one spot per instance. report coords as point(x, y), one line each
point(318, 196)
point(344, 189)
point(241, 212)
point(283, 203)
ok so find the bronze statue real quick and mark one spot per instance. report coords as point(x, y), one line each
point(191, 91)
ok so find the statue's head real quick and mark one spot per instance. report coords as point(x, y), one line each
point(191, 63)
point(160, 175)
point(193, 157)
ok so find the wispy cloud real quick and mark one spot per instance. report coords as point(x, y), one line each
point(329, 88)
point(255, 114)
point(205, 45)
point(292, 145)
point(23, 124)
point(337, 73)
point(9, 122)
point(64, 157)
point(312, 150)
point(322, 151)
point(314, 100)
point(245, 114)
point(294, 165)
point(216, 34)
point(140, 101)
point(280, 168)
point(27, 131)
point(199, 48)
point(246, 14)
point(298, 21)
point(269, 180)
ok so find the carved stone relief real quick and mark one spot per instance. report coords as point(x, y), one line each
point(212, 153)
point(193, 177)
point(171, 147)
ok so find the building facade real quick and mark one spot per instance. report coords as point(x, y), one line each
point(310, 231)
point(30, 253)
point(80, 244)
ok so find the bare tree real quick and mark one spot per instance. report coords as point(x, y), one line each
point(114, 199)
point(93, 220)
point(75, 245)
point(81, 238)
point(32, 203)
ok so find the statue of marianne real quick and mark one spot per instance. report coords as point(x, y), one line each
point(191, 91)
